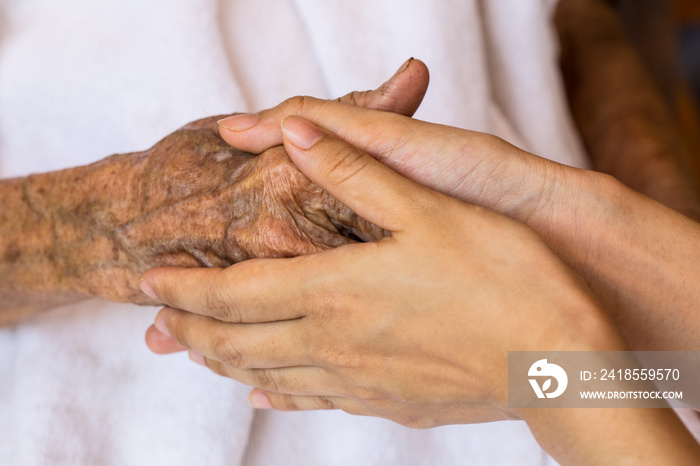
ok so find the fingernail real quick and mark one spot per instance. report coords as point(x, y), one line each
point(147, 289)
point(302, 133)
point(239, 122)
point(160, 324)
point(403, 67)
point(258, 400)
point(197, 358)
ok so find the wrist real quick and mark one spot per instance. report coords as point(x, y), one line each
point(31, 278)
point(83, 206)
point(620, 436)
point(47, 195)
point(529, 188)
point(575, 209)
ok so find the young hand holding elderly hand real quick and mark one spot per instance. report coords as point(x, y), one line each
point(415, 327)
point(442, 298)
point(635, 254)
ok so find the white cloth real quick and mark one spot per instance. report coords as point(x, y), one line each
point(82, 79)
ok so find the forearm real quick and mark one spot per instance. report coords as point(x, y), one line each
point(58, 235)
point(614, 436)
point(30, 277)
point(639, 257)
point(627, 127)
point(189, 201)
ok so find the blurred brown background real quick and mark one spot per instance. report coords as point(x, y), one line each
point(667, 35)
point(686, 17)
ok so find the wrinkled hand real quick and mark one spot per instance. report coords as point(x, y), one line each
point(415, 327)
point(192, 200)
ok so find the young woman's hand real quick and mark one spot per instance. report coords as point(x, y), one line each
point(635, 254)
point(415, 327)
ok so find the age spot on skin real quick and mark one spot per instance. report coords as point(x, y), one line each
point(221, 156)
point(12, 253)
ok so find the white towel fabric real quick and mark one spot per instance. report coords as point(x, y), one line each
point(82, 79)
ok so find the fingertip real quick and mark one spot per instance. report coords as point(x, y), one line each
point(301, 132)
point(412, 67)
point(240, 122)
point(259, 400)
point(404, 91)
point(257, 139)
point(162, 319)
point(404, 66)
point(150, 278)
point(417, 66)
point(196, 358)
point(420, 74)
point(154, 282)
point(147, 288)
point(151, 337)
point(160, 343)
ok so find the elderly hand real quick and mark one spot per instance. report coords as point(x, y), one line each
point(190, 200)
point(415, 327)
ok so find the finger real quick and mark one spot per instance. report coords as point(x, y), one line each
point(162, 343)
point(257, 290)
point(369, 188)
point(440, 157)
point(300, 380)
point(261, 399)
point(401, 94)
point(252, 291)
point(240, 346)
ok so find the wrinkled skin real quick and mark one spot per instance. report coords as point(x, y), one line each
point(191, 200)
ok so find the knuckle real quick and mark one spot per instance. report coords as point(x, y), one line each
point(413, 422)
point(325, 403)
point(266, 379)
point(319, 353)
point(222, 370)
point(298, 105)
point(293, 104)
point(366, 395)
point(347, 164)
point(328, 351)
point(354, 408)
point(165, 291)
point(288, 403)
point(174, 325)
point(217, 368)
point(433, 208)
point(219, 302)
point(225, 351)
point(354, 98)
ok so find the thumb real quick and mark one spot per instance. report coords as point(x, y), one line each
point(368, 187)
point(402, 94)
